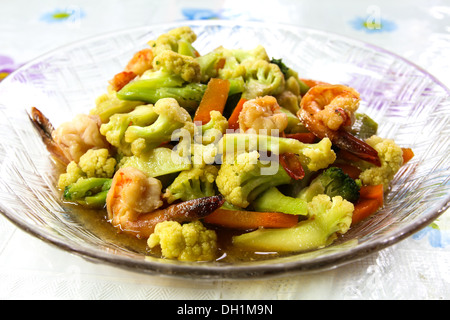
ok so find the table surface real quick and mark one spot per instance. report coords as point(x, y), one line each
point(416, 268)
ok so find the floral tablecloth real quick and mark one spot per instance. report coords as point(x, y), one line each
point(416, 268)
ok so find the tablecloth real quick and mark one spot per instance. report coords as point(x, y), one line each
point(416, 268)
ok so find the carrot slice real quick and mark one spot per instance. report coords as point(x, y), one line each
point(371, 199)
point(245, 220)
point(214, 99)
point(372, 192)
point(363, 209)
point(408, 154)
point(233, 121)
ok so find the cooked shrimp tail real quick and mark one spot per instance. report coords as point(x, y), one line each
point(134, 204)
point(357, 147)
point(45, 130)
point(186, 211)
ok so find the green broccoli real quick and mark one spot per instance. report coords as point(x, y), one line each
point(273, 200)
point(314, 156)
point(192, 184)
point(241, 181)
point(171, 117)
point(332, 182)
point(115, 129)
point(90, 192)
point(327, 217)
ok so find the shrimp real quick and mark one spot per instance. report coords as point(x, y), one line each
point(262, 113)
point(134, 204)
point(71, 139)
point(328, 111)
point(139, 63)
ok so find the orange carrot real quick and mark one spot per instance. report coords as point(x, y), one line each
point(371, 199)
point(408, 154)
point(373, 192)
point(214, 99)
point(305, 137)
point(244, 220)
point(233, 121)
point(363, 209)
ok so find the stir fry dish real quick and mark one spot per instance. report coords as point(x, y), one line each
point(184, 149)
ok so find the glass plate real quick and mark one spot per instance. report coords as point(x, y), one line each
point(409, 104)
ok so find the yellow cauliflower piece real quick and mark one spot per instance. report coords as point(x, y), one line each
point(391, 157)
point(97, 163)
point(187, 242)
point(73, 173)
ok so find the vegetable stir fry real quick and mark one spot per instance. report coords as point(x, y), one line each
point(184, 147)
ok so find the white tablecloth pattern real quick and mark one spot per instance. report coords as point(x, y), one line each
point(416, 268)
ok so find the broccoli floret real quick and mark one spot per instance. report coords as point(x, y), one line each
point(313, 156)
point(115, 129)
point(171, 117)
point(178, 40)
point(89, 192)
point(273, 200)
point(241, 181)
point(391, 157)
point(193, 184)
point(109, 104)
point(332, 182)
point(327, 217)
point(187, 242)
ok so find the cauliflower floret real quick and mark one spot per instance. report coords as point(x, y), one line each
point(177, 40)
point(192, 184)
point(171, 117)
point(97, 163)
point(391, 157)
point(262, 115)
point(215, 128)
point(76, 137)
point(243, 180)
point(73, 173)
point(173, 63)
point(262, 78)
point(187, 242)
point(320, 155)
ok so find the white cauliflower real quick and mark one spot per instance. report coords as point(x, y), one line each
point(187, 242)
